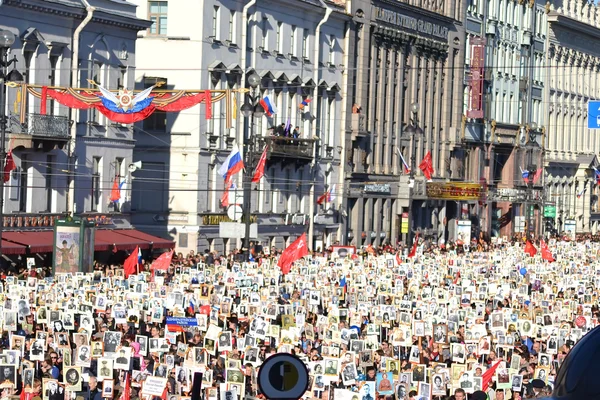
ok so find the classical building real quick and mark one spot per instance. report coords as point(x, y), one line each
point(504, 115)
point(62, 147)
point(402, 54)
point(297, 49)
point(573, 78)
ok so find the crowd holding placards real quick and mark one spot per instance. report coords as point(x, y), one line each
point(373, 325)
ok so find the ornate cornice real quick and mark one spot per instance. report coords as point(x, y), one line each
point(78, 12)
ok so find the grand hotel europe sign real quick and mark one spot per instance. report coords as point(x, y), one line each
point(414, 24)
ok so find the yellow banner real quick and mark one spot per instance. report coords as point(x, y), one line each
point(454, 191)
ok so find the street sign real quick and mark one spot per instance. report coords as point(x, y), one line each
point(550, 212)
point(237, 230)
point(593, 114)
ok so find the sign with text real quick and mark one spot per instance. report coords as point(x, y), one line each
point(454, 191)
point(593, 114)
point(182, 321)
point(411, 23)
point(476, 82)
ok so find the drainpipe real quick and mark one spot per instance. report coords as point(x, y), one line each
point(74, 75)
point(244, 46)
point(343, 202)
point(311, 223)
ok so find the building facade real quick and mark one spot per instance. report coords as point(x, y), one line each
point(403, 54)
point(504, 117)
point(45, 146)
point(571, 148)
point(297, 50)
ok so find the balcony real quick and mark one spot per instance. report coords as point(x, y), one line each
point(39, 131)
point(359, 126)
point(283, 149)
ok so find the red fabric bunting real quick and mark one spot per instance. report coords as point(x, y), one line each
point(44, 100)
point(185, 102)
point(208, 104)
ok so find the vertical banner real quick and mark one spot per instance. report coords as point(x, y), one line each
point(477, 77)
point(67, 244)
point(74, 241)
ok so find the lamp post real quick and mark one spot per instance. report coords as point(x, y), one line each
point(7, 39)
point(250, 109)
point(532, 169)
point(412, 131)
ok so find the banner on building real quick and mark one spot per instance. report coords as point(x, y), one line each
point(477, 77)
point(454, 191)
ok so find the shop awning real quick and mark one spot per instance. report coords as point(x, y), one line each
point(19, 242)
point(106, 238)
point(37, 242)
point(157, 242)
point(12, 248)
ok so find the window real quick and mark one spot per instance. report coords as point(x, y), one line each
point(305, 43)
point(23, 172)
point(122, 80)
point(98, 77)
point(156, 122)
point(265, 33)
point(158, 16)
point(96, 183)
point(293, 39)
point(119, 167)
point(49, 187)
point(150, 191)
point(279, 41)
point(53, 65)
point(232, 30)
point(215, 23)
point(332, 45)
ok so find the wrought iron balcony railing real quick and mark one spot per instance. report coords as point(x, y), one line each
point(284, 147)
point(52, 126)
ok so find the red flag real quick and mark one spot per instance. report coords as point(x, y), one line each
point(127, 390)
point(9, 166)
point(294, 252)
point(487, 376)
point(427, 166)
point(130, 265)
point(322, 198)
point(260, 167)
point(225, 196)
point(398, 258)
point(163, 262)
point(530, 249)
point(115, 193)
point(546, 253)
point(205, 309)
point(538, 175)
point(413, 250)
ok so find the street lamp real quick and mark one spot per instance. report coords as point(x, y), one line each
point(412, 131)
point(532, 170)
point(250, 109)
point(7, 39)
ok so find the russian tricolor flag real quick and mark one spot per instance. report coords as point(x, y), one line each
point(268, 106)
point(597, 175)
point(232, 165)
point(525, 174)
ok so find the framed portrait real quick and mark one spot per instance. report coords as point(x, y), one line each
point(440, 333)
point(72, 379)
point(108, 387)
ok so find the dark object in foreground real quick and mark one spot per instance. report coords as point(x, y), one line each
point(577, 377)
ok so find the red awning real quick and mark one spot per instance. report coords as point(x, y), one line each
point(12, 248)
point(38, 242)
point(106, 238)
point(43, 241)
point(157, 242)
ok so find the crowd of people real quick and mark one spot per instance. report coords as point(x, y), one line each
point(372, 324)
